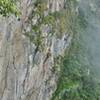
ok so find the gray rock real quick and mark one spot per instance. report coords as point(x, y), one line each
point(20, 78)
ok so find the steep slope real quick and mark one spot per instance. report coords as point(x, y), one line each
point(27, 57)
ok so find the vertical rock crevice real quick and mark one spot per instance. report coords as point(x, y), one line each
point(20, 77)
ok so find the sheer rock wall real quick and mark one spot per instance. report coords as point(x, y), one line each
point(20, 77)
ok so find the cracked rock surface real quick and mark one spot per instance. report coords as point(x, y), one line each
point(20, 78)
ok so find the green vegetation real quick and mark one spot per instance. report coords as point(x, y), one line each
point(77, 80)
point(8, 7)
point(60, 22)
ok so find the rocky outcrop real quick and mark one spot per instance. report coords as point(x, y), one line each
point(55, 5)
point(21, 76)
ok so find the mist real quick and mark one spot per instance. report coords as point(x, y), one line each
point(91, 35)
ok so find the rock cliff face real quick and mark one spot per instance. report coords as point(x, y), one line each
point(27, 73)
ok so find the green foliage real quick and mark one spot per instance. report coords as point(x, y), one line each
point(8, 7)
point(60, 21)
point(37, 38)
point(75, 83)
point(49, 19)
